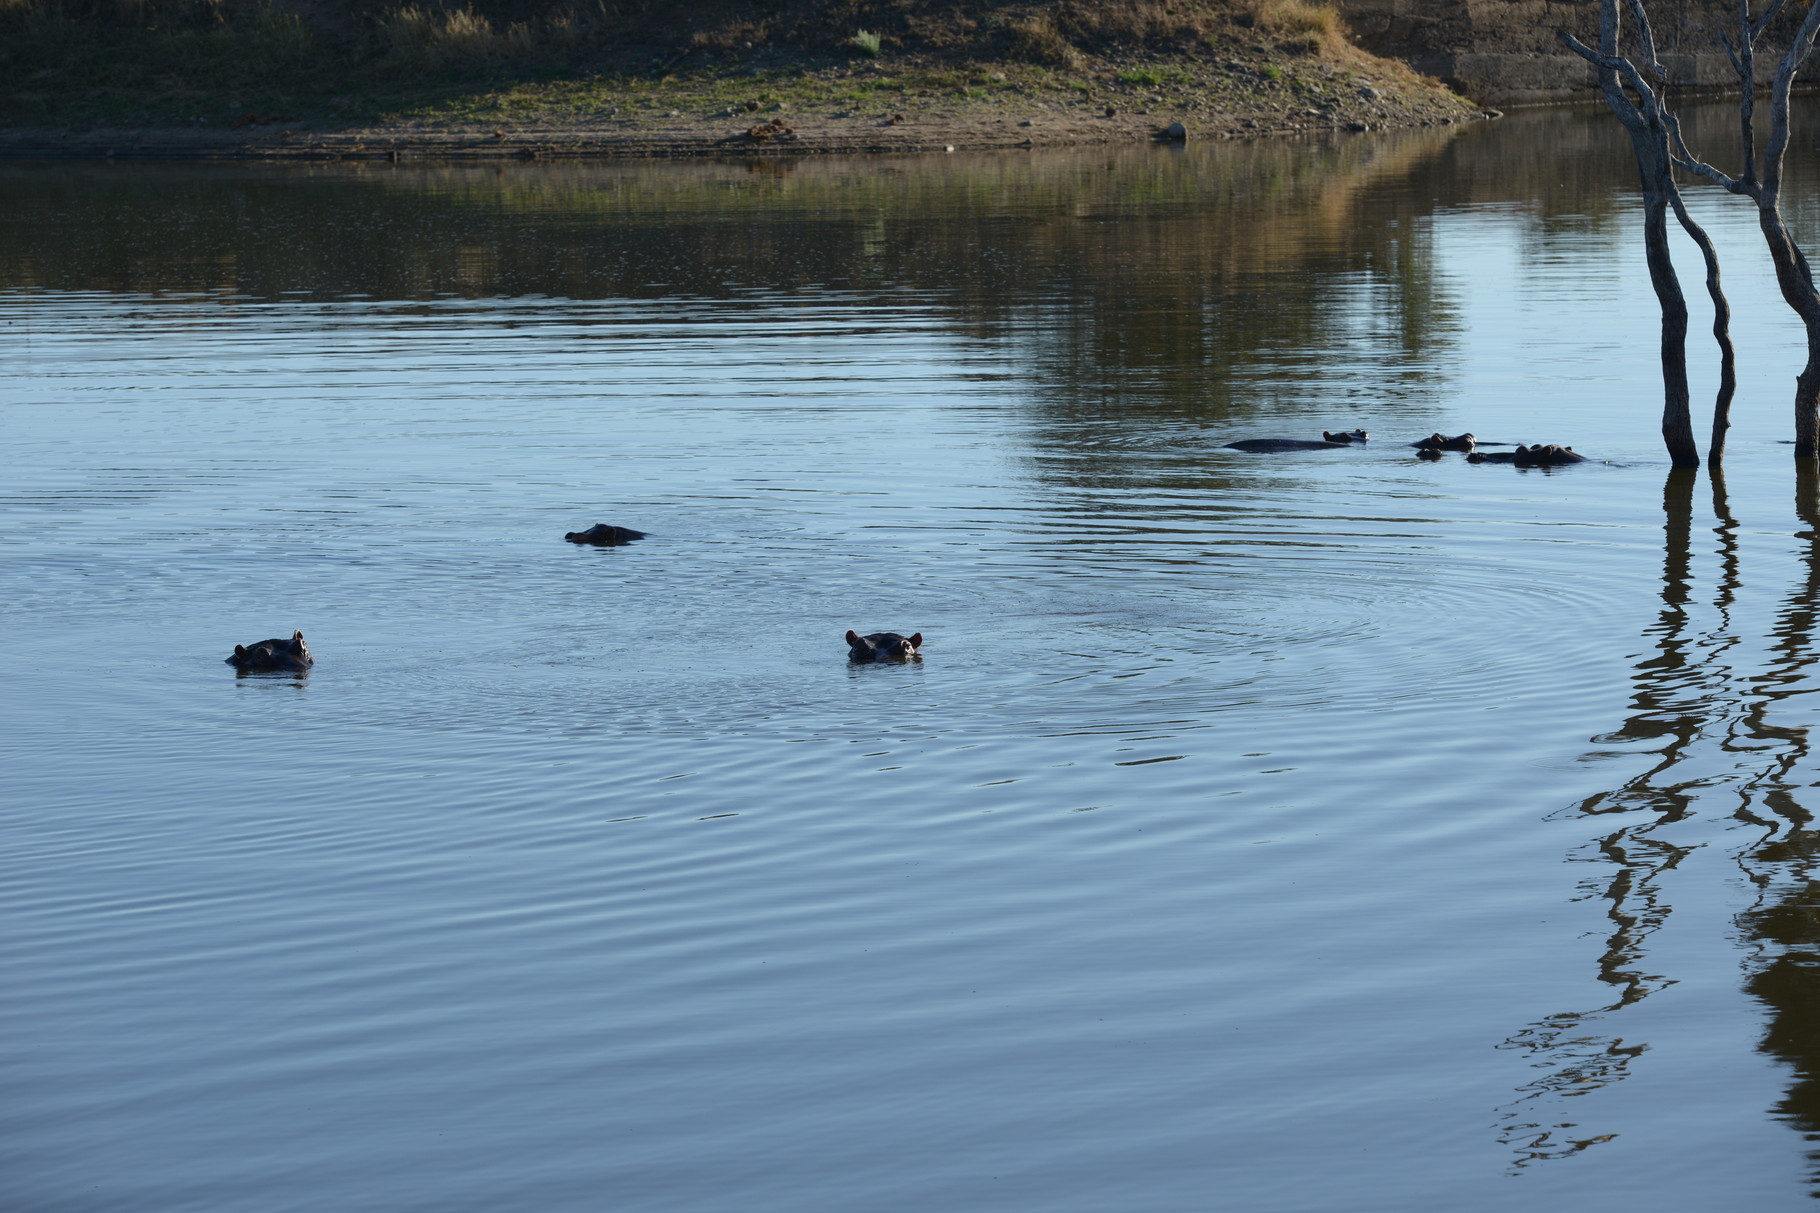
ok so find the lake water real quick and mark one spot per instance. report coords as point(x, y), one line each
point(1257, 833)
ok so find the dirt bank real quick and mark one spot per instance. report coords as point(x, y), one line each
point(685, 136)
point(1232, 99)
point(1240, 72)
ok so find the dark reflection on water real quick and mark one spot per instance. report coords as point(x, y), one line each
point(1786, 972)
point(1711, 724)
point(1215, 837)
point(1672, 710)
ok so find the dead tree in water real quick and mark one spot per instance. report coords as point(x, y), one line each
point(1761, 182)
point(1761, 178)
point(1646, 118)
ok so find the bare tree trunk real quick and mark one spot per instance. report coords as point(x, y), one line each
point(1762, 184)
point(1722, 333)
point(1677, 417)
point(1641, 113)
point(1797, 285)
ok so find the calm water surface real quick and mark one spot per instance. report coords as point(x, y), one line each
point(1315, 832)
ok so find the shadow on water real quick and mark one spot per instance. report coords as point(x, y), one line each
point(1712, 725)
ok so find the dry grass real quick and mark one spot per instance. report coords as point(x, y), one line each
point(1309, 28)
point(1140, 22)
point(1037, 40)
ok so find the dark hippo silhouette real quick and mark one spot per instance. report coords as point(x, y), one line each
point(273, 655)
point(1441, 442)
point(883, 646)
point(603, 536)
point(1271, 446)
point(1540, 455)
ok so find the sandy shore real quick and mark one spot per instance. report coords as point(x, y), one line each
point(1039, 122)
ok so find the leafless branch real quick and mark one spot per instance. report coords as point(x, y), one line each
point(1762, 23)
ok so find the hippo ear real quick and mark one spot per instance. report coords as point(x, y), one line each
point(240, 650)
point(916, 641)
point(853, 638)
point(296, 637)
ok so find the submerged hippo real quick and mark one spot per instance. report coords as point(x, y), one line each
point(604, 536)
point(883, 646)
point(1540, 455)
point(273, 655)
point(1441, 442)
point(1329, 441)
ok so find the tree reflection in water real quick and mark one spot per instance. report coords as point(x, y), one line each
point(1719, 737)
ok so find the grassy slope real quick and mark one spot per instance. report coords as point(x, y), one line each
point(629, 65)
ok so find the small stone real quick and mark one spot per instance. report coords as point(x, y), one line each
point(1176, 132)
point(1368, 92)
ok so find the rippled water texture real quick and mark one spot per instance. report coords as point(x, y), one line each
point(1265, 833)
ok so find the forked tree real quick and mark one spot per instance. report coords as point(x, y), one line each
point(1642, 108)
point(1761, 177)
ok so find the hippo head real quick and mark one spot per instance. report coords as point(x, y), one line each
point(273, 655)
point(883, 646)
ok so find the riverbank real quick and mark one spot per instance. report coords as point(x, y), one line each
point(1293, 71)
point(867, 109)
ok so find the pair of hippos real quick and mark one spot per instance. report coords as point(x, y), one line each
point(879, 646)
point(293, 656)
point(1537, 455)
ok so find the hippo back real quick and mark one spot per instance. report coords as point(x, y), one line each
point(602, 535)
point(1273, 446)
